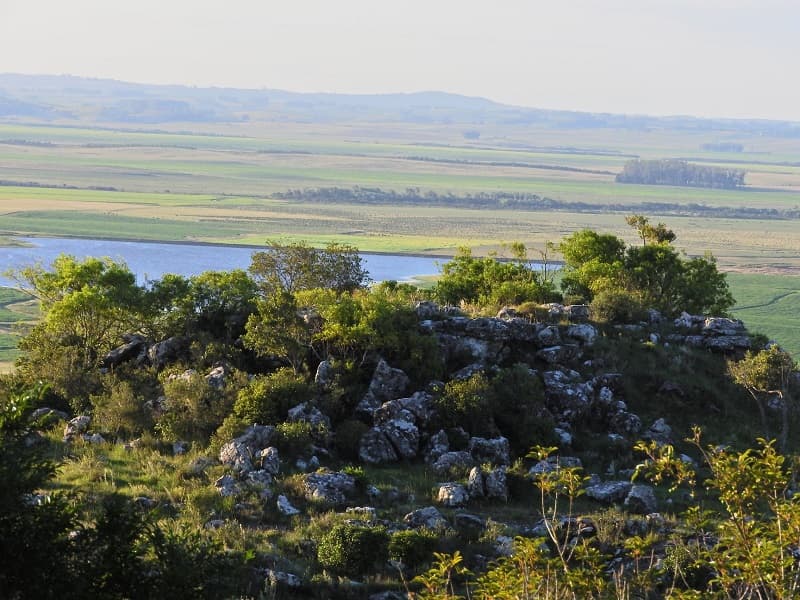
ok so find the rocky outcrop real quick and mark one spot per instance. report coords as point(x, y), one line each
point(641, 500)
point(452, 495)
point(495, 451)
point(387, 384)
point(134, 348)
point(331, 488)
point(168, 351)
point(428, 517)
point(609, 492)
point(240, 453)
point(76, 427)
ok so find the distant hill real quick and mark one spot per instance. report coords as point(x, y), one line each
point(91, 101)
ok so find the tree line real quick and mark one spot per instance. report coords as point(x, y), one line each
point(670, 171)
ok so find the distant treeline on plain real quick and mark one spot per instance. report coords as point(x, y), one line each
point(679, 172)
point(521, 201)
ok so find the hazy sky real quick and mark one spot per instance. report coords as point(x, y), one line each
point(731, 58)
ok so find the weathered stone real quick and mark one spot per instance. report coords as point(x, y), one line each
point(727, 343)
point(46, 415)
point(475, 483)
point(93, 438)
point(308, 413)
point(495, 451)
point(368, 512)
point(625, 423)
point(275, 579)
point(488, 328)
point(549, 336)
point(375, 448)
point(468, 521)
point(216, 377)
point(270, 460)
point(76, 426)
point(577, 312)
point(426, 309)
point(438, 445)
point(452, 494)
point(496, 484)
point(168, 351)
point(387, 384)
point(452, 462)
point(641, 499)
point(285, 507)
point(687, 321)
point(325, 374)
point(134, 347)
point(239, 452)
point(659, 432)
point(584, 333)
point(227, 486)
point(428, 517)
point(721, 326)
point(329, 488)
point(553, 463)
point(403, 436)
point(609, 491)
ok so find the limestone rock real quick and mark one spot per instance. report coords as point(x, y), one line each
point(475, 485)
point(285, 507)
point(76, 426)
point(495, 451)
point(375, 448)
point(329, 488)
point(452, 494)
point(496, 484)
point(308, 413)
point(609, 492)
point(428, 517)
point(450, 462)
point(641, 499)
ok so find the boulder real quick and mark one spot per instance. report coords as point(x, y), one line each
point(276, 579)
point(369, 513)
point(426, 309)
point(269, 459)
point(47, 416)
point(285, 507)
point(475, 485)
point(553, 463)
point(609, 492)
point(403, 436)
point(216, 377)
point(438, 445)
point(328, 488)
point(451, 462)
point(168, 351)
point(227, 486)
point(325, 374)
point(375, 448)
point(239, 452)
point(134, 347)
point(641, 500)
point(577, 312)
point(549, 336)
point(624, 423)
point(308, 413)
point(659, 432)
point(495, 483)
point(495, 451)
point(76, 426)
point(452, 495)
point(93, 438)
point(428, 517)
point(720, 326)
point(488, 328)
point(584, 333)
point(387, 384)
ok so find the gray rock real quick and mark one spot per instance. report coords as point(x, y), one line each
point(240, 452)
point(475, 483)
point(428, 517)
point(308, 413)
point(659, 432)
point(564, 437)
point(577, 312)
point(214, 524)
point(426, 309)
point(227, 486)
point(325, 374)
point(48, 415)
point(553, 463)
point(584, 333)
point(641, 500)
point(76, 426)
point(452, 494)
point(329, 488)
point(687, 321)
point(403, 436)
point(93, 438)
point(260, 478)
point(216, 377)
point(726, 343)
point(720, 326)
point(387, 384)
point(495, 484)
point(625, 423)
point(549, 336)
point(270, 460)
point(504, 545)
point(285, 507)
point(451, 462)
point(368, 512)
point(495, 451)
point(438, 445)
point(609, 492)
point(375, 448)
point(168, 351)
point(275, 579)
point(134, 347)
point(180, 447)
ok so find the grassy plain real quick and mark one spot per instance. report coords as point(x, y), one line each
point(212, 184)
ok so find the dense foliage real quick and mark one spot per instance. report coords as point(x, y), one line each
point(679, 172)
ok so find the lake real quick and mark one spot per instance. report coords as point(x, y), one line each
point(153, 260)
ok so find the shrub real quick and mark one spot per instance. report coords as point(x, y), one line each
point(352, 550)
point(267, 398)
point(413, 547)
point(465, 403)
point(121, 411)
point(193, 409)
point(617, 306)
point(347, 438)
point(294, 438)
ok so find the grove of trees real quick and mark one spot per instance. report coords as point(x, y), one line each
point(679, 172)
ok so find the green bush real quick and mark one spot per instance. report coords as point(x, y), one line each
point(267, 398)
point(465, 403)
point(347, 438)
point(617, 306)
point(413, 547)
point(295, 438)
point(352, 550)
point(121, 411)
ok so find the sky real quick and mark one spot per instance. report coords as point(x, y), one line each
point(711, 58)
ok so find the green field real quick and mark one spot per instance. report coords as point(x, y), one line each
point(213, 184)
point(16, 308)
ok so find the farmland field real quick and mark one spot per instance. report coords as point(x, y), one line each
point(216, 182)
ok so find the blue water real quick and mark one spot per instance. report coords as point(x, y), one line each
point(152, 260)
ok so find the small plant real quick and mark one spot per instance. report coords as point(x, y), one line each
point(413, 547)
point(352, 550)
